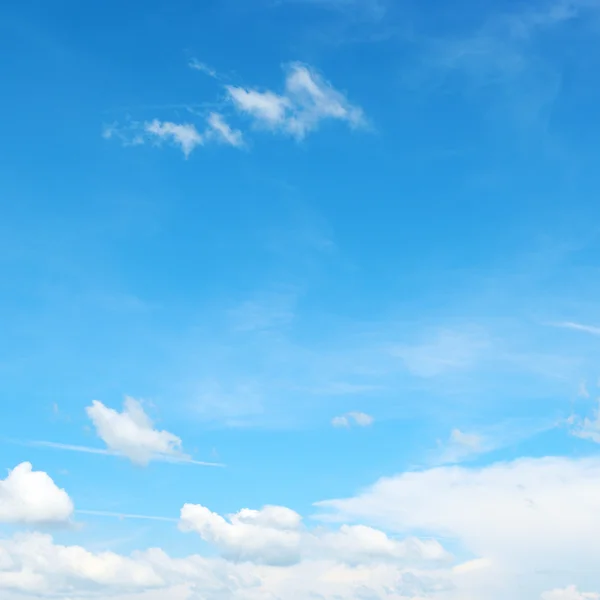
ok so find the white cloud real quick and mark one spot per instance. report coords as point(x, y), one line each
point(587, 428)
point(203, 68)
point(526, 518)
point(223, 132)
point(28, 496)
point(184, 135)
point(591, 329)
point(131, 433)
point(358, 418)
point(569, 593)
point(34, 566)
point(275, 535)
point(269, 536)
point(306, 101)
point(33, 563)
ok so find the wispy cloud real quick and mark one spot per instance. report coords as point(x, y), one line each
point(504, 59)
point(117, 515)
point(184, 136)
point(105, 452)
point(462, 445)
point(587, 428)
point(203, 68)
point(306, 101)
point(591, 329)
point(444, 351)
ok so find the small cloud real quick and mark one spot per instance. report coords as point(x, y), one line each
point(583, 391)
point(359, 419)
point(223, 132)
point(203, 68)
point(182, 135)
point(306, 101)
point(587, 428)
point(185, 135)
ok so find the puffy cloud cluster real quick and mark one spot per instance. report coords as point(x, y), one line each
point(28, 496)
point(526, 529)
point(275, 535)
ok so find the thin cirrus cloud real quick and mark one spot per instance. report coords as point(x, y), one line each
point(591, 329)
point(32, 497)
point(130, 434)
point(306, 101)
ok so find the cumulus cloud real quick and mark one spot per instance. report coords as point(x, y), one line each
point(357, 418)
point(527, 516)
point(269, 536)
point(34, 566)
point(306, 101)
point(275, 535)
point(131, 433)
point(29, 497)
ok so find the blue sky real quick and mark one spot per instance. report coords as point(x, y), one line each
point(345, 252)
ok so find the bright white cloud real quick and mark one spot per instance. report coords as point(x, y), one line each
point(28, 496)
point(131, 433)
point(275, 535)
point(357, 418)
point(184, 135)
point(33, 563)
point(269, 536)
point(306, 101)
point(34, 566)
point(525, 517)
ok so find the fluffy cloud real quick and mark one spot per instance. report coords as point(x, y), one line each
point(33, 565)
point(275, 535)
point(28, 496)
point(306, 101)
point(358, 418)
point(131, 433)
point(269, 536)
point(530, 516)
